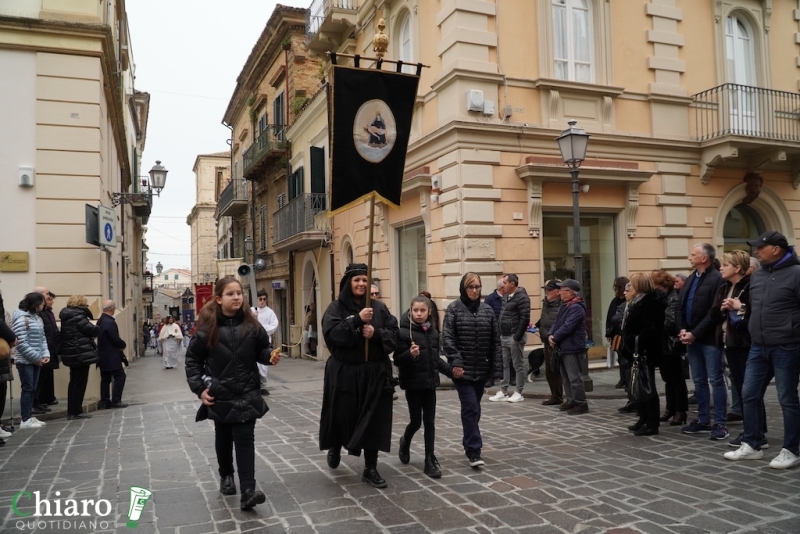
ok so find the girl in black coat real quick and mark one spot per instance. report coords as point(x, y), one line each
point(642, 325)
point(417, 358)
point(221, 370)
point(78, 351)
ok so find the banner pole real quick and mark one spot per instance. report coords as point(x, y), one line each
point(370, 234)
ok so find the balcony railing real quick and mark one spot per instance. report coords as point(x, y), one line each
point(298, 215)
point(741, 110)
point(315, 15)
point(269, 140)
point(233, 199)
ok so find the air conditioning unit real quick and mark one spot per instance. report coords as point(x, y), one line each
point(475, 100)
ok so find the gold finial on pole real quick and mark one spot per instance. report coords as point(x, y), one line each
point(381, 41)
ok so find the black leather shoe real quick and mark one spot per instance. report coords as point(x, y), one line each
point(251, 498)
point(52, 403)
point(79, 416)
point(628, 408)
point(647, 431)
point(227, 486)
point(334, 457)
point(432, 466)
point(635, 427)
point(38, 410)
point(265, 392)
point(372, 477)
point(403, 452)
point(117, 405)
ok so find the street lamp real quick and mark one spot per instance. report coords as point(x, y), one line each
point(158, 179)
point(249, 248)
point(573, 143)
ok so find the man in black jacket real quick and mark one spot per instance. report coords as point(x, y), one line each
point(111, 358)
point(45, 388)
point(698, 332)
point(775, 333)
point(514, 320)
point(550, 306)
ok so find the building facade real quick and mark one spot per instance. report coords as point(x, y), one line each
point(78, 132)
point(212, 174)
point(173, 278)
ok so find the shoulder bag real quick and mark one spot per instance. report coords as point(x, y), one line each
point(641, 387)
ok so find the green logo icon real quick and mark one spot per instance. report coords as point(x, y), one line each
point(139, 497)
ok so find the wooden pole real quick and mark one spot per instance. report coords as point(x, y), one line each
point(370, 237)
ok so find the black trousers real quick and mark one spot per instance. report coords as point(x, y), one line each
point(78, 378)
point(3, 393)
point(45, 388)
point(118, 376)
point(241, 435)
point(422, 409)
point(648, 411)
point(677, 396)
point(553, 376)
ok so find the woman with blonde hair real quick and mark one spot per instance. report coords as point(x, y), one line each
point(78, 351)
point(642, 327)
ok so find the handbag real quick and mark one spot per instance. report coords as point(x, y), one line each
point(555, 359)
point(5, 349)
point(641, 387)
point(616, 341)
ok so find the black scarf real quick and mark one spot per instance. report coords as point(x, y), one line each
point(349, 301)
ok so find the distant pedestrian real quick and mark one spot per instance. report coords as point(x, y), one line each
point(109, 350)
point(45, 390)
point(78, 351)
point(146, 334)
point(568, 337)
point(417, 358)
point(221, 370)
point(170, 337)
point(32, 354)
point(267, 318)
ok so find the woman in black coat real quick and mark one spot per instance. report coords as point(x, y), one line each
point(472, 346)
point(417, 358)
point(673, 353)
point(357, 392)
point(5, 370)
point(221, 370)
point(78, 351)
point(642, 325)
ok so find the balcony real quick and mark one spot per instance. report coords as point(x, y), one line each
point(268, 147)
point(329, 23)
point(301, 223)
point(745, 127)
point(142, 205)
point(233, 199)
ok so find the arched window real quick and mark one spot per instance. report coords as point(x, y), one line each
point(406, 51)
point(742, 223)
point(740, 58)
point(573, 47)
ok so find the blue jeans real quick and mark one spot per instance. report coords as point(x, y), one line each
point(28, 377)
point(470, 393)
point(783, 360)
point(705, 362)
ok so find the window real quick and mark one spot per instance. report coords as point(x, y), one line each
point(318, 176)
point(413, 262)
point(740, 58)
point(742, 224)
point(166, 277)
point(572, 40)
point(262, 124)
point(406, 51)
point(263, 233)
point(175, 277)
point(281, 200)
point(279, 115)
point(296, 186)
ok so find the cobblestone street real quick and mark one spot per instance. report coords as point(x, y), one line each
point(545, 471)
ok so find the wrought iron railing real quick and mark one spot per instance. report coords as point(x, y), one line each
point(271, 139)
point(235, 190)
point(315, 15)
point(733, 109)
point(298, 215)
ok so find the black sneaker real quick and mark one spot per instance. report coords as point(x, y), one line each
point(475, 461)
point(695, 427)
point(432, 467)
point(719, 432)
point(250, 498)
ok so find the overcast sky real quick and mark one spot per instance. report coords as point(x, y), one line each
point(188, 54)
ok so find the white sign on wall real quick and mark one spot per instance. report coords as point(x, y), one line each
point(107, 219)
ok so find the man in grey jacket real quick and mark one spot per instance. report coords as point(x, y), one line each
point(775, 333)
point(515, 317)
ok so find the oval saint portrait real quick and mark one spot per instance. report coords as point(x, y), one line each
point(374, 131)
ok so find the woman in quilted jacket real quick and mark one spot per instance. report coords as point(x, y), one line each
point(78, 351)
point(32, 353)
point(221, 370)
point(472, 346)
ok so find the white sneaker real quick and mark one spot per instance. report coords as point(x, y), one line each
point(41, 423)
point(499, 396)
point(744, 452)
point(516, 397)
point(4, 434)
point(30, 423)
point(785, 460)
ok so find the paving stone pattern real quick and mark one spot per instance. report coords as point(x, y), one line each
point(546, 472)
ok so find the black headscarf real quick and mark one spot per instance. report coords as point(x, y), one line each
point(472, 305)
point(346, 296)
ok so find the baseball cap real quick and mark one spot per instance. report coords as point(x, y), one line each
point(551, 284)
point(770, 238)
point(569, 283)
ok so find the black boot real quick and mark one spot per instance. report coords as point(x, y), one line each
point(227, 486)
point(371, 476)
point(403, 452)
point(432, 466)
point(334, 457)
point(628, 408)
point(250, 498)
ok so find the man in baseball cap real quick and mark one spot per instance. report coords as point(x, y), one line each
point(569, 283)
point(775, 333)
point(551, 302)
point(568, 335)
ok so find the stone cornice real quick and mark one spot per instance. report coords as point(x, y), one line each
point(460, 74)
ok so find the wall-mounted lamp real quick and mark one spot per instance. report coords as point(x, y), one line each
point(585, 188)
point(158, 179)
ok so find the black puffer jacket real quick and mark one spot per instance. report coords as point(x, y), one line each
point(645, 320)
point(77, 336)
point(423, 371)
point(738, 335)
point(235, 382)
point(775, 302)
point(516, 315)
point(472, 340)
point(699, 324)
point(548, 318)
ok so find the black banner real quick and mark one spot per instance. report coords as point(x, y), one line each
point(370, 117)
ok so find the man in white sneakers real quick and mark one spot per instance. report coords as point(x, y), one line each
point(514, 319)
point(775, 332)
point(269, 321)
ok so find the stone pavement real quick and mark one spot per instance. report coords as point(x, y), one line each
point(545, 471)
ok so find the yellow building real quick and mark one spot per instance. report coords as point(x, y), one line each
point(212, 174)
point(73, 132)
point(689, 104)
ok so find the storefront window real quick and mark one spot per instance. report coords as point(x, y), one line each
point(599, 266)
point(741, 224)
point(413, 264)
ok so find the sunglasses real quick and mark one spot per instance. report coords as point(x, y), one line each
point(374, 294)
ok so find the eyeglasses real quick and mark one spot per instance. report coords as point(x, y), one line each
point(374, 294)
point(262, 298)
point(474, 288)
